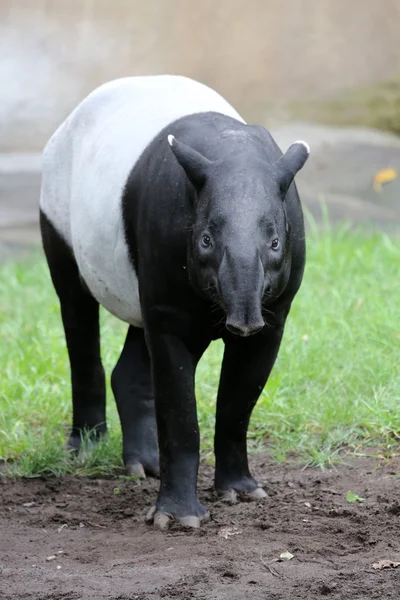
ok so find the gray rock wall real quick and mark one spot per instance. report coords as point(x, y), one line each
point(257, 53)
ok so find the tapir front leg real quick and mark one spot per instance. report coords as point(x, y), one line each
point(174, 359)
point(246, 366)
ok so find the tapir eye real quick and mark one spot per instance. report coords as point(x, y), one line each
point(275, 244)
point(205, 241)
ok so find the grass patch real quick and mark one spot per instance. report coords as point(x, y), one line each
point(336, 383)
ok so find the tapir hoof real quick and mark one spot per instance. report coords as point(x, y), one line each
point(258, 494)
point(142, 469)
point(162, 520)
point(81, 449)
point(136, 470)
point(84, 442)
point(231, 496)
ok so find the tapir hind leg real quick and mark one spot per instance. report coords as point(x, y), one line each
point(133, 390)
point(246, 366)
point(80, 315)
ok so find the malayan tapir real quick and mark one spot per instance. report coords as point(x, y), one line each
point(161, 204)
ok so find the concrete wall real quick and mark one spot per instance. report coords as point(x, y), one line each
point(255, 52)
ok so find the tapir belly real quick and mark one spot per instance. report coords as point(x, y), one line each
point(106, 268)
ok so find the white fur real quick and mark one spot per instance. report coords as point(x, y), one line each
point(86, 164)
point(306, 146)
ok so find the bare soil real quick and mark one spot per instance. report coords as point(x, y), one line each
point(83, 539)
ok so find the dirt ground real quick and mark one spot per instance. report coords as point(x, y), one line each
point(84, 539)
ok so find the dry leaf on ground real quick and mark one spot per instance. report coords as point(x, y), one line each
point(227, 532)
point(383, 176)
point(286, 556)
point(386, 564)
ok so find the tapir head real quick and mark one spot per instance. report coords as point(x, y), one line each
point(240, 244)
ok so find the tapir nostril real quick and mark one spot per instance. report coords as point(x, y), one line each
point(244, 330)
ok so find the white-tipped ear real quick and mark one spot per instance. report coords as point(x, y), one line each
point(194, 164)
point(306, 146)
point(290, 163)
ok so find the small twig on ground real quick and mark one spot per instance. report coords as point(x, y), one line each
point(95, 524)
point(270, 569)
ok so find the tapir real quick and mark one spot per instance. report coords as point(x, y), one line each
point(159, 203)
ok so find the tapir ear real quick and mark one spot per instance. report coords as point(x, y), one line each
point(194, 163)
point(290, 163)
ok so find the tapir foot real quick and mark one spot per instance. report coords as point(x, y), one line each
point(142, 468)
point(162, 518)
point(83, 443)
point(241, 488)
point(141, 452)
point(231, 496)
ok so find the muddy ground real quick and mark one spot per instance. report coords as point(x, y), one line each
point(84, 539)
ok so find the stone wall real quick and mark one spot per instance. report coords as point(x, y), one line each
point(258, 53)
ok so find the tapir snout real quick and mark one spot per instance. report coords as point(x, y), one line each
point(241, 285)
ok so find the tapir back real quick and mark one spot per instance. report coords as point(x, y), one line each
point(86, 165)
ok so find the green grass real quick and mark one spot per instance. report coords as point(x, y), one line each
point(335, 386)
